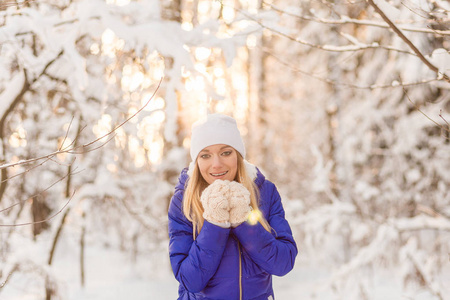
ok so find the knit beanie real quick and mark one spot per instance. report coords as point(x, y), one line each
point(215, 129)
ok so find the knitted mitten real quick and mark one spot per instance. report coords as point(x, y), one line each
point(239, 203)
point(215, 202)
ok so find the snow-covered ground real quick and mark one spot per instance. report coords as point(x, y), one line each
point(112, 275)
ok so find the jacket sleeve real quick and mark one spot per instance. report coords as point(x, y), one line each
point(274, 251)
point(193, 262)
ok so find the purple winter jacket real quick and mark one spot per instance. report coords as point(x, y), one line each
point(224, 263)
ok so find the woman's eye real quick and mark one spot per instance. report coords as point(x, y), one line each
point(226, 153)
point(204, 156)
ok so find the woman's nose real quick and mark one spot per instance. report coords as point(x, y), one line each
point(217, 162)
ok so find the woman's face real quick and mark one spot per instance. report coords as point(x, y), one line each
point(217, 162)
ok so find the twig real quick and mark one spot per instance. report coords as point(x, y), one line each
point(67, 133)
point(418, 108)
point(14, 269)
point(89, 150)
point(26, 171)
point(440, 115)
point(448, 126)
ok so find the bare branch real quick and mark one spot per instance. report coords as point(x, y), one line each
point(26, 171)
point(89, 150)
point(418, 108)
point(67, 133)
point(440, 115)
point(14, 269)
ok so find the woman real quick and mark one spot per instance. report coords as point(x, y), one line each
point(228, 233)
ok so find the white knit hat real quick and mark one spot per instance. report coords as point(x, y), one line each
point(215, 129)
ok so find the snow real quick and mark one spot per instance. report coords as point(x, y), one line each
point(389, 10)
point(382, 234)
point(112, 275)
point(10, 93)
point(441, 58)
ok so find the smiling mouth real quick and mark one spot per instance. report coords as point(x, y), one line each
point(219, 174)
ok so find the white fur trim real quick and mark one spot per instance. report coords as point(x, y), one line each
point(252, 172)
point(191, 169)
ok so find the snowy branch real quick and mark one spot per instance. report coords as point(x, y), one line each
point(347, 20)
point(407, 41)
point(330, 48)
point(356, 46)
point(421, 222)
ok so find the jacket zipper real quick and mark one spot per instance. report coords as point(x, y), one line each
point(240, 271)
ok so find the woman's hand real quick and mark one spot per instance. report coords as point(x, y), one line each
point(239, 199)
point(215, 202)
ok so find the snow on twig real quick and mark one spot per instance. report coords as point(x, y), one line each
point(421, 222)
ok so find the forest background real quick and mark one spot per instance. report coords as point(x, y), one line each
point(344, 105)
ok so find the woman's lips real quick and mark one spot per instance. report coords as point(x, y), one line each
point(216, 175)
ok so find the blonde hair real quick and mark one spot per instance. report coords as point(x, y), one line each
point(192, 207)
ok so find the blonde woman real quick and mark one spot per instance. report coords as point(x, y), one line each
point(228, 233)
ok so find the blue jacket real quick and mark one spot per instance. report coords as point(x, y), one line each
point(222, 263)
